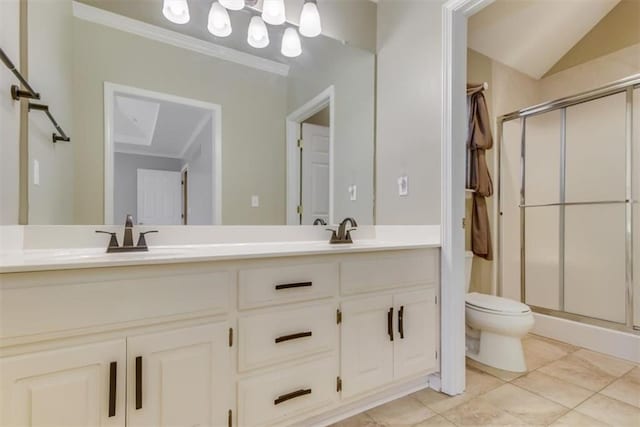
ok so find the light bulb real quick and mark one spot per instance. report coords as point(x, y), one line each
point(176, 11)
point(233, 4)
point(310, 20)
point(291, 43)
point(219, 23)
point(273, 12)
point(257, 36)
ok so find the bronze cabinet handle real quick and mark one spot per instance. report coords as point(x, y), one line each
point(401, 322)
point(293, 285)
point(139, 382)
point(113, 372)
point(293, 337)
point(292, 395)
point(390, 323)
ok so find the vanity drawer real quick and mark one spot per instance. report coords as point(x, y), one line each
point(373, 272)
point(280, 284)
point(70, 302)
point(290, 391)
point(266, 339)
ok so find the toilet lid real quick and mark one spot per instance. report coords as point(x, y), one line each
point(497, 304)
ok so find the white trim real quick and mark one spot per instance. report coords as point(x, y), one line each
point(454, 131)
point(624, 345)
point(216, 127)
point(322, 100)
point(143, 153)
point(174, 38)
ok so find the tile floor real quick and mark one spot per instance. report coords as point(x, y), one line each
point(565, 386)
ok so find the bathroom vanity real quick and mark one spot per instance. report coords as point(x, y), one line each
point(229, 334)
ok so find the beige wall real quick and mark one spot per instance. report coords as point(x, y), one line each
point(50, 32)
point(620, 28)
point(409, 86)
point(253, 107)
point(9, 115)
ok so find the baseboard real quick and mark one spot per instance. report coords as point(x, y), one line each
point(361, 405)
point(623, 345)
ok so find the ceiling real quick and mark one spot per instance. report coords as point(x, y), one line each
point(532, 35)
point(156, 127)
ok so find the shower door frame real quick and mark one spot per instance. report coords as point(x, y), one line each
point(627, 86)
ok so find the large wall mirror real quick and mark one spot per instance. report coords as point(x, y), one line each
point(177, 126)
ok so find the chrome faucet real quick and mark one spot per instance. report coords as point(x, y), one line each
point(127, 244)
point(343, 235)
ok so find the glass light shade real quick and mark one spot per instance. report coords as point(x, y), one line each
point(258, 36)
point(291, 46)
point(219, 23)
point(273, 12)
point(176, 11)
point(310, 20)
point(233, 4)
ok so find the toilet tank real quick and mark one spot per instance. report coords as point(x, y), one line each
point(468, 262)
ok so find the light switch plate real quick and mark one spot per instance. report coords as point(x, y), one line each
point(353, 192)
point(403, 186)
point(36, 172)
point(255, 201)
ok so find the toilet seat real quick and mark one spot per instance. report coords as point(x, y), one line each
point(496, 305)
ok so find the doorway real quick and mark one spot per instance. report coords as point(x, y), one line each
point(310, 167)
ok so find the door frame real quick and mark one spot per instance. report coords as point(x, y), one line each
point(216, 126)
point(326, 98)
point(455, 14)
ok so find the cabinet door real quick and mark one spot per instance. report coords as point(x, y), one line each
point(367, 350)
point(75, 386)
point(180, 377)
point(415, 323)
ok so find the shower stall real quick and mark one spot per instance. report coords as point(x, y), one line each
point(568, 213)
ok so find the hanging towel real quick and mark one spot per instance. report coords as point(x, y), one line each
point(478, 176)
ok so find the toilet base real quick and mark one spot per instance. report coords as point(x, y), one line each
point(500, 351)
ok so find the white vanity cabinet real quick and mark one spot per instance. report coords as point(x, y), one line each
point(238, 343)
point(75, 386)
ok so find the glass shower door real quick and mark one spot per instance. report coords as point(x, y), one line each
point(595, 214)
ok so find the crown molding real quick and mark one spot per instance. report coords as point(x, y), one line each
point(174, 38)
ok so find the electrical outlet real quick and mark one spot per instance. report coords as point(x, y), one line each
point(255, 201)
point(36, 172)
point(403, 186)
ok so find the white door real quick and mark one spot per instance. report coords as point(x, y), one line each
point(367, 349)
point(180, 377)
point(415, 341)
point(75, 386)
point(315, 173)
point(159, 197)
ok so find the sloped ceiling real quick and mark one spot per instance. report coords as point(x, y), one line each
point(532, 35)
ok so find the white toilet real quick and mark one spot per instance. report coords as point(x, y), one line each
point(495, 327)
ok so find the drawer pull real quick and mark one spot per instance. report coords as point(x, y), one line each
point(139, 382)
point(293, 285)
point(293, 337)
point(390, 323)
point(401, 322)
point(113, 371)
point(292, 395)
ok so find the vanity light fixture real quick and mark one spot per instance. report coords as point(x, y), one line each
point(273, 12)
point(258, 36)
point(291, 46)
point(310, 19)
point(176, 11)
point(219, 23)
point(233, 4)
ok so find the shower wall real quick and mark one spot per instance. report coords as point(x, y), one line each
point(508, 91)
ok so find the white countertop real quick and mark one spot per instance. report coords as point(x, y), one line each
point(73, 258)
